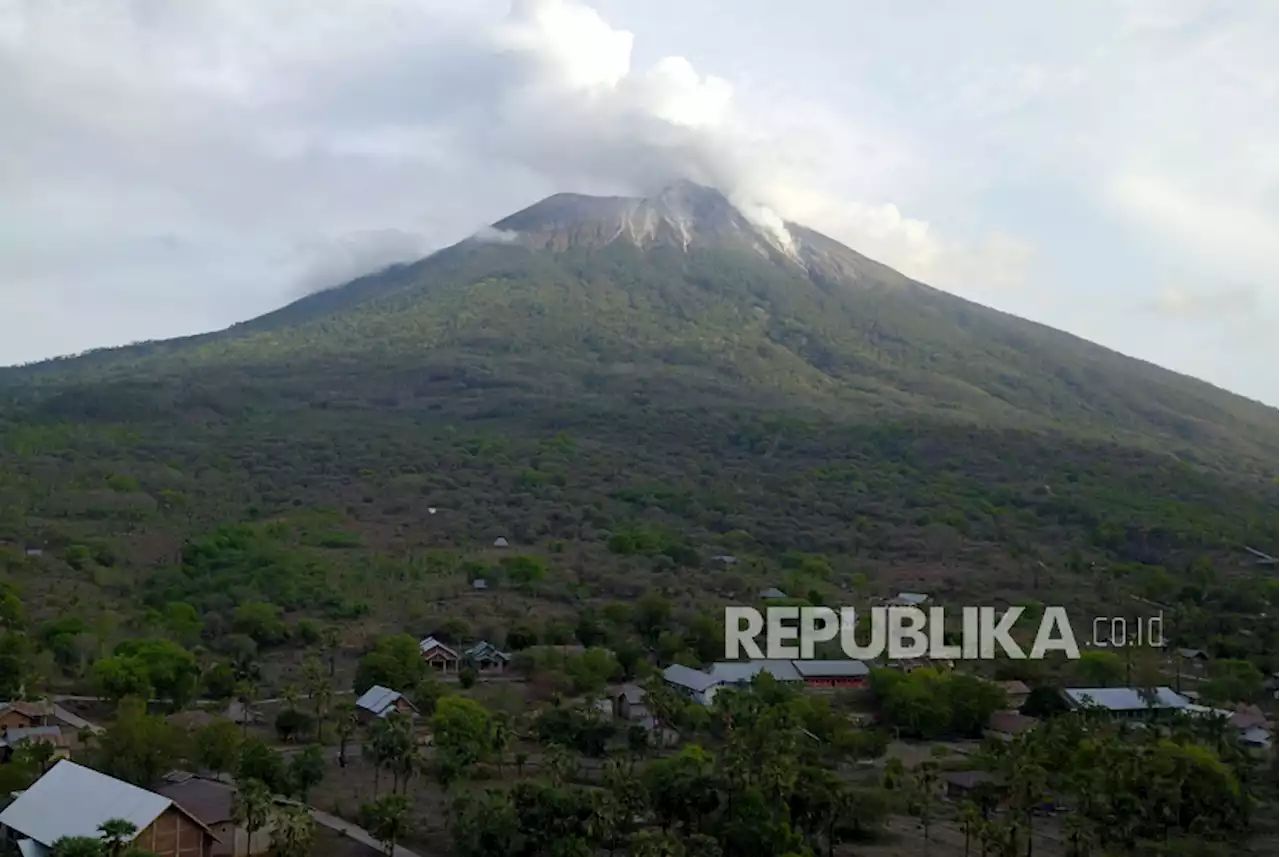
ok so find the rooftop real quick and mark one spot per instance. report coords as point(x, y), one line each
point(43, 812)
point(689, 678)
point(733, 672)
point(1124, 698)
point(831, 669)
point(207, 800)
point(378, 699)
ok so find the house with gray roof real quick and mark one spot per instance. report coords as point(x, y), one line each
point(486, 657)
point(378, 702)
point(771, 594)
point(741, 673)
point(439, 655)
point(1126, 702)
point(694, 684)
point(72, 800)
point(908, 599)
point(838, 672)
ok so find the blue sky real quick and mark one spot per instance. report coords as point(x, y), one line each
point(1109, 168)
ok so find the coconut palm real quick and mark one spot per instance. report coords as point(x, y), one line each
point(293, 832)
point(116, 833)
point(251, 807)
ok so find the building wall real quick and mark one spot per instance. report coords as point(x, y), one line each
point(15, 720)
point(841, 681)
point(174, 834)
point(235, 841)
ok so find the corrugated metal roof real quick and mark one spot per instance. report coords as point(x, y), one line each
point(911, 597)
point(71, 800)
point(633, 693)
point(834, 668)
point(18, 734)
point(689, 678)
point(772, 592)
point(31, 848)
point(377, 699)
point(734, 672)
point(429, 643)
point(1124, 698)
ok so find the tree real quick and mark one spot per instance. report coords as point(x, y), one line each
point(320, 692)
point(924, 795)
point(386, 818)
point(345, 718)
point(77, 846)
point(116, 833)
point(467, 677)
point(251, 807)
point(260, 762)
point(171, 670)
point(463, 731)
point(290, 723)
point(117, 677)
point(217, 746)
point(1100, 669)
point(306, 770)
point(262, 622)
point(293, 831)
point(331, 641)
point(138, 748)
point(394, 662)
point(521, 637)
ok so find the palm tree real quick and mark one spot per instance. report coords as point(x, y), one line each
point(970, 820)
point(345, 717)
point(251, 808)
point(385, 818)
point(116, 833)
point(331, 642)
point(320, 692)
point(245, 692)
point(503, 735)
point(293, 833)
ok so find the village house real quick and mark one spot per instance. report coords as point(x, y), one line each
point(438, 655)
point(72, 800)
point(1015, 692)
point(486, 657)
point(210, 802)
point(1126, 703)
point(378, 702)
point(692, 684)
point(12, 739)
point(771, 594)
point(833, 673)
point(629, 703)
point(25, 714)
point(984, 789)
point(1007, 725)
point(1248, 722)
point(908, 599)
point(813, 674)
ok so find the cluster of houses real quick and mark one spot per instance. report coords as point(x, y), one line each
point(72, 800)
point(23, 722)
point(701, 686)
point(379, 702)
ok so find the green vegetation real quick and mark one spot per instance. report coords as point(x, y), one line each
point(618, 442)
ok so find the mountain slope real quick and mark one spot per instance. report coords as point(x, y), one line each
point(682, 291)
point(631, 388)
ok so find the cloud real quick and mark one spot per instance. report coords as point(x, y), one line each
point(1226, 303)
point(495, 236)
point(333, 260)
point(325, 139)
